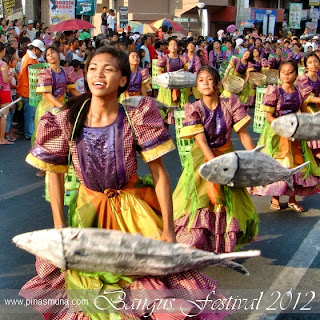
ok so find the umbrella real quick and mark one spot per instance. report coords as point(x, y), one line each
point(169, 23)
point(133, 24)
point(179, 35)
point(72, 24)
point(231, 28)
point(144, 28)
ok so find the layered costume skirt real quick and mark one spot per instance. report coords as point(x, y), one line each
point(212, 217)
point(133, 209)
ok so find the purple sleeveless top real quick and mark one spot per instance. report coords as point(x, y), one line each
point(215, 127)
point(315, 85)
point(290, 102)
point(101, 155)
point(135, 81)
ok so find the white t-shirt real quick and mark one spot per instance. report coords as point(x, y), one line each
point(110, 22)
point(32, 33)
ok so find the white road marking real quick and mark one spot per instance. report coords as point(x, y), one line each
point(22, 190)
point(295, 270)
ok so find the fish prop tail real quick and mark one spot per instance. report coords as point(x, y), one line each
point(293, 172)
point(298, 168)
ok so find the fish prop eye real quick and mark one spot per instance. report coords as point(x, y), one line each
point(225, 169)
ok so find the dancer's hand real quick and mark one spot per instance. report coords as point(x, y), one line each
point(168, 236)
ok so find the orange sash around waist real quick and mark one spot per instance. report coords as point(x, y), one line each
point(101, 201)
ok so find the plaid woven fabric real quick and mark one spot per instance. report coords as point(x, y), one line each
point(54, 135)
point(179, 288)
point(208, 231)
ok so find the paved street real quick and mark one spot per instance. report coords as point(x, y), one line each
point(286, 276)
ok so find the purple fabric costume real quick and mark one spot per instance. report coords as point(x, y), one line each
point(170, 64)
point(303, 82)
point(194, 64)
point(279, 103)
point(207, 230)
point(240, 68)
point(215, 59)
point(255, 66)
point(297, 57)
point(56, 83)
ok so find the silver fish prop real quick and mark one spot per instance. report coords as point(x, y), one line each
point(300, 126)
point(242, 169)
point(134, 102)
point(93, 250)
point(176, 80)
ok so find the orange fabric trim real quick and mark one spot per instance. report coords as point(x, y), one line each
point(175, 93)
point(103, 208)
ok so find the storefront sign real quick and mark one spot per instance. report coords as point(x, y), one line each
point(86, 7)
point(314, 3)
point(61, 11)
point(12, 9)
point(258, 15)
point(123, 11)
point(295, 11)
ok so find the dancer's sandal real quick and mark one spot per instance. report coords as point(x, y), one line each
point(295, 207)
point(275, 206)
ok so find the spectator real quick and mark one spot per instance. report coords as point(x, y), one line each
point(16, 25)
point(76, 64)
point(47, 38)
point(151, 48)
point(145, 41)
point(31, 30)
point(59, 45)
point(5, 94)
point(74, 44)
point(34, 52)
point(80, 53)
point(85, 35)
point(104, 23)
point(111, 22)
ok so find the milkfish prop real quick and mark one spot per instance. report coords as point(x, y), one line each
point(242, 169)
point(134, 102)
point(93, 250)
point(300, 126)
point(176, 80)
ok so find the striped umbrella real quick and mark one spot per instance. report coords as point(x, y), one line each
point(144, 28)
point(133, 24)
point(169, 23)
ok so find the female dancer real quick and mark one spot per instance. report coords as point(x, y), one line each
point(274, 62)
point(104, 137)
point(217, 56)
point(208, 216)
point(230, 50)
point(296, 55)
point(169, 63)
point(53, 83)
point(279, 101)
point(240, 67)
point(193, 65)
point(139, 78)
point(311, 81)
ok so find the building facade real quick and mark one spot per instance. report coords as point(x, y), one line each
point(221, 13)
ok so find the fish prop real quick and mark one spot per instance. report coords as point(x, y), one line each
point(134, 102)
point(300, 126)
point(93, 250)
point(242, 169)
point(176, 80)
